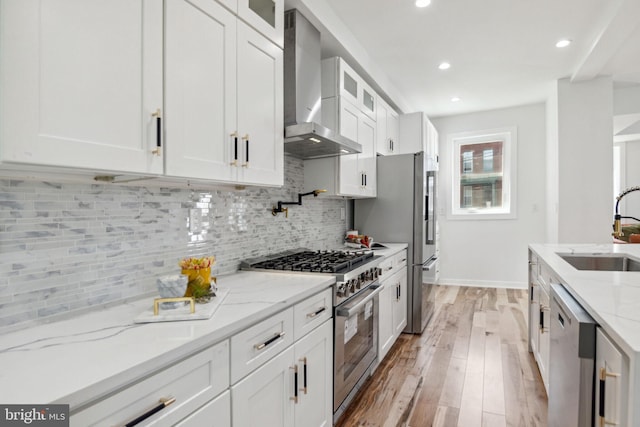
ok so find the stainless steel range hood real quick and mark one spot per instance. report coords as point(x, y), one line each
point(304, 135)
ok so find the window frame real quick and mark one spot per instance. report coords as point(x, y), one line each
point(456, 143)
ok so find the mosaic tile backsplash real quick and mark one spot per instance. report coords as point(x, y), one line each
point(65, 248)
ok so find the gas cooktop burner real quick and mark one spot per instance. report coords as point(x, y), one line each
point(317, 262)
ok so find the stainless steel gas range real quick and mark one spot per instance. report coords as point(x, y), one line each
point(355, 310)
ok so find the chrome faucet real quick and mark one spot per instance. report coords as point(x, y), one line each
point(617, 228)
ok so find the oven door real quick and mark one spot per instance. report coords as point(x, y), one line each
point(356, 344)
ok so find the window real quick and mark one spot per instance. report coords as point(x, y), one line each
point(487, 160)
point(467, 162)
point(483, 174)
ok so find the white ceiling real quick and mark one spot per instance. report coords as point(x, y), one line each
point(502, 52)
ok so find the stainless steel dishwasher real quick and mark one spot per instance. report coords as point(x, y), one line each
point(571, 362)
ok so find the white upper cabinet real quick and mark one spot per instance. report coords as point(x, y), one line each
point(224, 97)
point(260, 109)
point(351, 175)
point(417, 133)
point(266, 16)
point(188, 90)
point(339, 79)
point(200, 95)
point(387, 124)
point(76, 93)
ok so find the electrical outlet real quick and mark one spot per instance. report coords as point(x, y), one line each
point(343, 213)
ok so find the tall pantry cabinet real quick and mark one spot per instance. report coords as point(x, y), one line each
point(181, 88)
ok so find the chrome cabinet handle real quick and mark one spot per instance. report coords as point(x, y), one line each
point(315, 313)
point(163, 404)
point(269, 341)
point(603, 378)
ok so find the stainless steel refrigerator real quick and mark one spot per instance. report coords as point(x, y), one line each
point(404, 212)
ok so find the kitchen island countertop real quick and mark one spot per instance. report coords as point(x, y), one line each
point(612, 298)
point(80, 359)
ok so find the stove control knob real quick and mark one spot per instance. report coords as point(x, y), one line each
point(340, 290)
point(357, 283)
point(353, 285)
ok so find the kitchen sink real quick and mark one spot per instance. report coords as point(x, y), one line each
point(602, 262)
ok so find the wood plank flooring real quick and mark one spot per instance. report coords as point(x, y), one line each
point(470, 367)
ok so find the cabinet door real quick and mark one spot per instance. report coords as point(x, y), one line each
point(368, 102)
point(367, 159)
point(544, 340)
point(383, 143)
point(351, 175)
point(609, 382)
point(260, 109)
point(393, 131)
point(400, 303)
point(314, 357)
point(264, 398)
point(200, 84)
point(219, 409)
point(77, 93)
point(432, 146)
point(266, 16)
point(534, 317)
point(385, 318)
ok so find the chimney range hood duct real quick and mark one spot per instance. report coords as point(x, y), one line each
point(304, 136)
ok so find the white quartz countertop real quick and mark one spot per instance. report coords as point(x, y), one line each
point(91, 355)
point(612, 298)
point(392, 249)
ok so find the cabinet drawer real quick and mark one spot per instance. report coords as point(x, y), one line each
point(192, 382)
point(219, 409)
point(386, 267)
point(400, 259)
point(254, 346)
point(310, 313)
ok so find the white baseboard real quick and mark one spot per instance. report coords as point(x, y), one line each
point(482, 283)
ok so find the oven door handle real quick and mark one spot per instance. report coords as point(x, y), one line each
point(361, 302)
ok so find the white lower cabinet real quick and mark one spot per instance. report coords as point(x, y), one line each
point(292, 389)
point(399, 303)
point(217, 412)
point(611, 381)
point(192, 382)
point(393, 302)
point(539, 316)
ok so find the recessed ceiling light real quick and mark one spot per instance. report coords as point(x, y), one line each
point(563, 43)
point(444, 66)
point(455, 99)
point(423, 3)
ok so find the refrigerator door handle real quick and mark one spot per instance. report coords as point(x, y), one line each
point(429, 264)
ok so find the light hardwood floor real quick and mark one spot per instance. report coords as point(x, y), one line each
point(470, 367)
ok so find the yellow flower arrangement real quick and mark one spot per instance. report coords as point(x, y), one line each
point(197, 263)
point(199, 272)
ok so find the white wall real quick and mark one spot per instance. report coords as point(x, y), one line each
point(494, 252)
point(551, 156)
point(585, 161)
